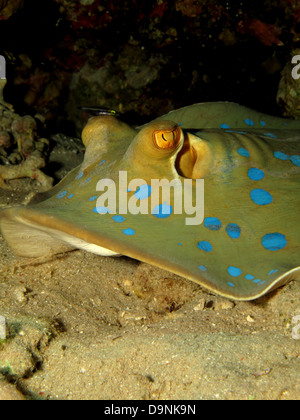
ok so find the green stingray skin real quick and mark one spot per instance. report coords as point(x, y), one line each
point(248, 242)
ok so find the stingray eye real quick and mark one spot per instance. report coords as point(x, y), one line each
point(167, 139)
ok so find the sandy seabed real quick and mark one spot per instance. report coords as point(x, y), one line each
point(80, 326)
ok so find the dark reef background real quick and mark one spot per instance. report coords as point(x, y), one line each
point(143, 58)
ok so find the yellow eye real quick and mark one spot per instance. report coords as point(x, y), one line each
point(167, 139)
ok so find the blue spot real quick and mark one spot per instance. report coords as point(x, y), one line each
point(256, 281)
point(272, 272)
point(274, 241)
point(62, 194)
point(205, 246)
point(87, 180)
point(281, 156)
point(79, 176)
point(273, 136)
point(262, 282)
point(118, 219)
point(102, 161)
point(295, 159)
point(243, 152)
point(262, 123)
point(212, 223)
point(249, 277)
point(180, 124)
point(224, 126)
point(261, 197)
point(233, 230)
point(249, 122)
point(101, 210)
point(234, 131)
point(129, 190)
point(71, 196)
point(179, 243)
point(234, 271)
point(162, 211)
point(230, 284)
point(93, 198)
point(256, 174)
point(129, 232)
point(143, 192)
point(202, 268)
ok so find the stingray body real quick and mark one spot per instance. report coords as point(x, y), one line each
point(239, 166)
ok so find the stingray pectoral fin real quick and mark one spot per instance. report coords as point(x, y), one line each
point(27, 241)
point(34, 237)
point(290, 275)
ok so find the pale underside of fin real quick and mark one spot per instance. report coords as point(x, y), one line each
point(30, 240)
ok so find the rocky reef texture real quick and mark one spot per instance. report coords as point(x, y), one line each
point(22, 152)
point(145, 57)
point(9, 7)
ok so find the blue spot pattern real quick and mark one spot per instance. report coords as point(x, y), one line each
point(243, 152)
point(295, 159)
point(205, 246)
point(129, 232)
point(212, 223)
point(62, 195)
point(101, 210)
point(249, 122)
point(233, 230)
point(281, 156)
point(256, 174)
point(271, 241)
point(271, 135)
point(254, 280)
point(143, 192)
point(234, 271)
point(118, 219)
point(162, 211)
point(261, 197)
point(79, 176)
point(274, 241)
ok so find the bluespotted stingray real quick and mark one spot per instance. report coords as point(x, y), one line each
point(246, 242)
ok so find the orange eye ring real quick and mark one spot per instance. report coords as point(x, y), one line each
point(167, 139)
